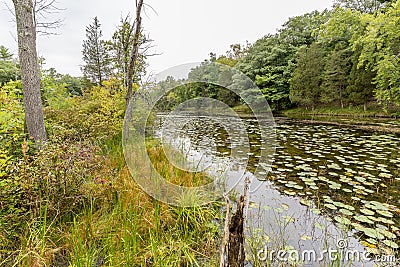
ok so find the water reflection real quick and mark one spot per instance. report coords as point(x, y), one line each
point(326, 182)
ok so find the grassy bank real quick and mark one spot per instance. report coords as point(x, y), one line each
point(74, 203)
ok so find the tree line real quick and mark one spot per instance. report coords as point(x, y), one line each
point(345, 56)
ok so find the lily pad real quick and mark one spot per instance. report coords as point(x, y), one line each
point(373, 233)
point(330, 206)
point(364, 219)
point(367, 211)
point(346, 212)
point(385, 213)
point(391, 244)
point(342, 220)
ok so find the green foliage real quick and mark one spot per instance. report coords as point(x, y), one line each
point(360, 88)
point(73, 85)
point(380, 47)
point(307, 79)
point(9, 69)
point(300, 30)
point(365, 6)
point(5, 54)
point(270, 62)
point(336, 74)
point(11, 122)
point(97, 115)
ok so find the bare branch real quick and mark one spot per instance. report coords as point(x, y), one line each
point(135, 48)
point(147, 5)
point(44, 8)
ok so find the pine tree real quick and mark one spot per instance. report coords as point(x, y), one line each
point(361, 88)
point(5, 54)
point(337, 69)
point(305, 88)
point(95, 54)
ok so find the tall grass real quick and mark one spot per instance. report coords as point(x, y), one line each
point(123, 226)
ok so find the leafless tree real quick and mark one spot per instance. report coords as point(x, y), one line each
point(135, 50)
point(43, 9)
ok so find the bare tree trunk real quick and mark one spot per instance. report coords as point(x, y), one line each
point(135, 51)
point(341, 99)
point(26, 28)
point(233, 243)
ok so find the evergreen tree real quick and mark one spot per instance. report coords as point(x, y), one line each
point(9, 69)
point(360, 88)
point(305, 88)
point(95, 54)
point(5, 54)
point(337, 70)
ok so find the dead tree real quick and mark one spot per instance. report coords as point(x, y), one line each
point(233, 252)
point(134, 51)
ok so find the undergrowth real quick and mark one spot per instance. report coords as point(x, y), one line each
point(74, 203)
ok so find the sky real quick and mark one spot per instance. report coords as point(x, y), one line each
point(182, 31)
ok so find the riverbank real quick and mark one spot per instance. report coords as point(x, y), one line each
point(353, 112)
point(75, 203)
point(368, 121)
point(360, 125)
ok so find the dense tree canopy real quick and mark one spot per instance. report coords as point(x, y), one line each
point(347, 56)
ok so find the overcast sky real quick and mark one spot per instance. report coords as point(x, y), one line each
point(183, 30)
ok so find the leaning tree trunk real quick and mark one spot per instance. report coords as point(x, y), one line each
point(26, 28)
point(134, 52)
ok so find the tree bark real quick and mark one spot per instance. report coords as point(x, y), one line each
point(233, 243)
point(30, 76)
point(134, 52)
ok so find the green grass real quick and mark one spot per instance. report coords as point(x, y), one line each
point(123, 226)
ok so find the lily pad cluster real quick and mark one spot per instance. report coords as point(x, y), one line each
point(350, 175)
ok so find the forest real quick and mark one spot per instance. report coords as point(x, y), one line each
point(67, 197)
point(338, 58)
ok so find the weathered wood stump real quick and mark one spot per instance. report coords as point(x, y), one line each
point(233, 253)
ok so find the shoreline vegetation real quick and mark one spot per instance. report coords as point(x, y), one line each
point(370, 120)
point(74, 202)
point(355, 112)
